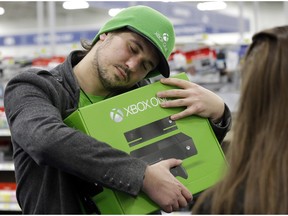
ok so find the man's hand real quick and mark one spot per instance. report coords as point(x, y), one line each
point(197, 100)
point(163, 188)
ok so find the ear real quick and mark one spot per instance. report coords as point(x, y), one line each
point(102, 36)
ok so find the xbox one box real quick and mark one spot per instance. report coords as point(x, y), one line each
point(144, 130)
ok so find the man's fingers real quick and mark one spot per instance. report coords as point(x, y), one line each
point(172, 162)
point(182, 202)
point(170, 194)
point(180, 83)
point(187, 194)
point(168, 209)
point(176, 206)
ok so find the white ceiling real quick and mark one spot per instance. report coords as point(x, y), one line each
point(17, 11)
point(21, 16)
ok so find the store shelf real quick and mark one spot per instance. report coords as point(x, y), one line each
point(8, 201)
point(6, 166)
point(9, 207)
point(4, 128)
point(5, 132)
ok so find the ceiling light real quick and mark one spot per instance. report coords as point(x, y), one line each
point(213, 5)
point(76, 4)
point(2, 11)
point(114, 11)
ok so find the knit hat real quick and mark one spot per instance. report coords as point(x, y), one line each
point(152, 25)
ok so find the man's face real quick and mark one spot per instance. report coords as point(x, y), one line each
point(123, 59)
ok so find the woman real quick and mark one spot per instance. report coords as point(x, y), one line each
point(257, 180)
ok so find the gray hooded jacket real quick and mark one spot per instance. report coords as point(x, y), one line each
point(55, 164)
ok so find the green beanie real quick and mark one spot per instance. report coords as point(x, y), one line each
point(152, 25)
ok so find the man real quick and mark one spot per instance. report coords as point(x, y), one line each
point(55, 165)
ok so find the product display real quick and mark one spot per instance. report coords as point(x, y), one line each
point(135, 123)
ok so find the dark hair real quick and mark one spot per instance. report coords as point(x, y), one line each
point(257, 179)
point(87, 44)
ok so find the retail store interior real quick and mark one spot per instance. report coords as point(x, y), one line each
point(210, 44)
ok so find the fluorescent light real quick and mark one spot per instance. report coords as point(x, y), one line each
point(2, 10)
point(213, 5)
point(76, 4)
point(114, 11)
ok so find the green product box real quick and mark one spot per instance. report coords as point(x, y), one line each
point(143, 129)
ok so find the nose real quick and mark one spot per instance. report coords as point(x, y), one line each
point(134, 62)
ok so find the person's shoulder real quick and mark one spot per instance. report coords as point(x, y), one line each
point(35, 76)
point(32, 72)
point(35, 71)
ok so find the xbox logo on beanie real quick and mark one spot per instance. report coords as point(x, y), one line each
point(165, 37)
point(150, 24)
point(116, 115)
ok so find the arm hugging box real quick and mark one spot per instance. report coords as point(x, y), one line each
point(143, 129)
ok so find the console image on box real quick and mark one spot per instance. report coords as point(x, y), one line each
point(143, 129)
point(149, 131)
point(179, 146)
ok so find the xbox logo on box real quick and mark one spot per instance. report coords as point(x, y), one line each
point(116, 115)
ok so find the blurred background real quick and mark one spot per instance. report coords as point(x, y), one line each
point(211, 39)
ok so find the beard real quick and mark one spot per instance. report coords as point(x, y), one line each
point(111, 83)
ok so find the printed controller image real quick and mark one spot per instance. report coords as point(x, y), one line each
point(179, 146)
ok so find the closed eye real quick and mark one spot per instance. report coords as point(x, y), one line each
point(135, 48)
point(144, 66)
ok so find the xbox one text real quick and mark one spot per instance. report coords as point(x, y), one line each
point(143, 105)
point(117, 114)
